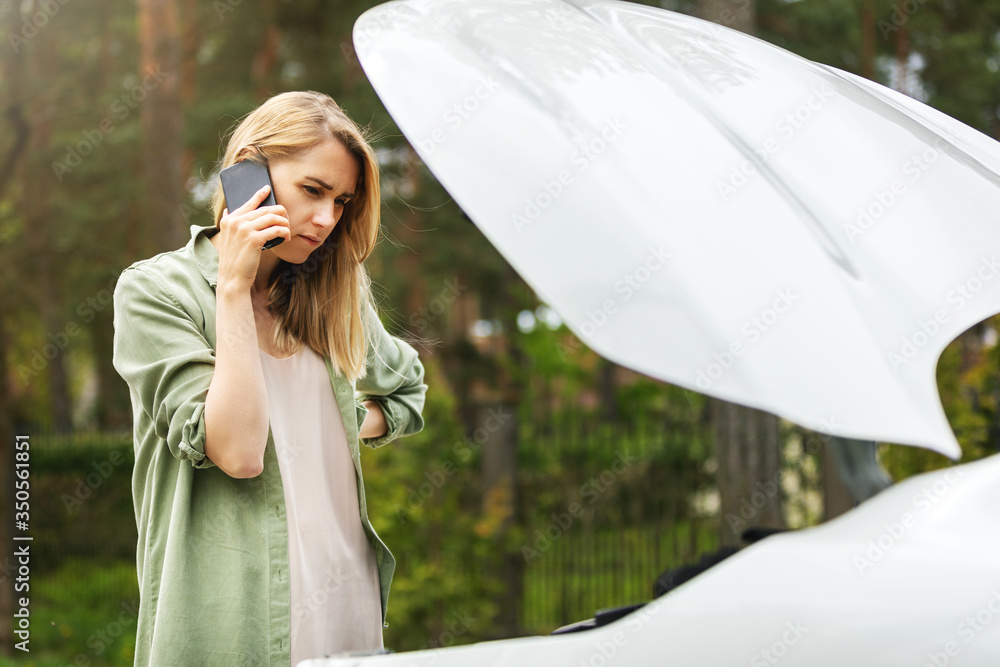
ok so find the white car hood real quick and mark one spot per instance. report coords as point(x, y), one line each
point(704, 207)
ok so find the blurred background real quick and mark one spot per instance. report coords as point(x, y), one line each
point(548, 482)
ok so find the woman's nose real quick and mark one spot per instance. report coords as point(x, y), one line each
point(327, 215)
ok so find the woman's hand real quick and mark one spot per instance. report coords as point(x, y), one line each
point(243, 234)
point(374, 425)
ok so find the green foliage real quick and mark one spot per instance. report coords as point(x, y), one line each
point(968, 386)
point(827, 32)
point(83, 613)
point(958, 42)
point(81, 498)
point(423, 500)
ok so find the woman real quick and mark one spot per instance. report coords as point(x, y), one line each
point(250, 371)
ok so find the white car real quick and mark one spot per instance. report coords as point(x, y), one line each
point(720, 214)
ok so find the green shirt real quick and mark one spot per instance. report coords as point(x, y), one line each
point(212, 554)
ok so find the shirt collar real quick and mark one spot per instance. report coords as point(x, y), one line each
point(205, 254)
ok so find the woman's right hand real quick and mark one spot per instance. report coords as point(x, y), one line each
point(242, 235)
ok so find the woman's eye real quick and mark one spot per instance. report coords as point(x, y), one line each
point(342, 202)
point(311, 190)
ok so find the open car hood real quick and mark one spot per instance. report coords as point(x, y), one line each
point(704, 207)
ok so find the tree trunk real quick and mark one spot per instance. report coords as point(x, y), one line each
point(188, 69)
point(608, 392)
point(114, 404)
point(52, 346)
point(748, 450)
point(408, 234)
point(498, 416)
point(868, 39)
point(747, 441)
point(61, 410)
point(499, 469)
point(266, 58)
point(836, 498)
point(903, 56)
point(737, 14)
point(161, 122)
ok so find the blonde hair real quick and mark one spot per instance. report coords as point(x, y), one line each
point(322, 302)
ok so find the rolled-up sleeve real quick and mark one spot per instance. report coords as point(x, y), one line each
point(395, 381)
point(164, 357)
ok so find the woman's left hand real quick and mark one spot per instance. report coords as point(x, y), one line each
point(374, 425)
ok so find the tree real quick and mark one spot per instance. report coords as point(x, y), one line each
point(747, 441)
point(161, 120)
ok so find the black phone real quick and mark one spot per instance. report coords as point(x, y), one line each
point(241, 181)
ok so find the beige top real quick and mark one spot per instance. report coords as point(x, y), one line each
point(335, 599)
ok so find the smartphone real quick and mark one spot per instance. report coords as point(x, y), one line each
point(241, 181)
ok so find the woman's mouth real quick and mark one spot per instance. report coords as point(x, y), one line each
point(310, 240)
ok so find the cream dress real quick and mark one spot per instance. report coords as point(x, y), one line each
point(335, 597)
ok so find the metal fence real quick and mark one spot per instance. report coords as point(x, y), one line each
point(605, 509)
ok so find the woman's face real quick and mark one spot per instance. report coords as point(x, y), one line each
point(313, 186)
